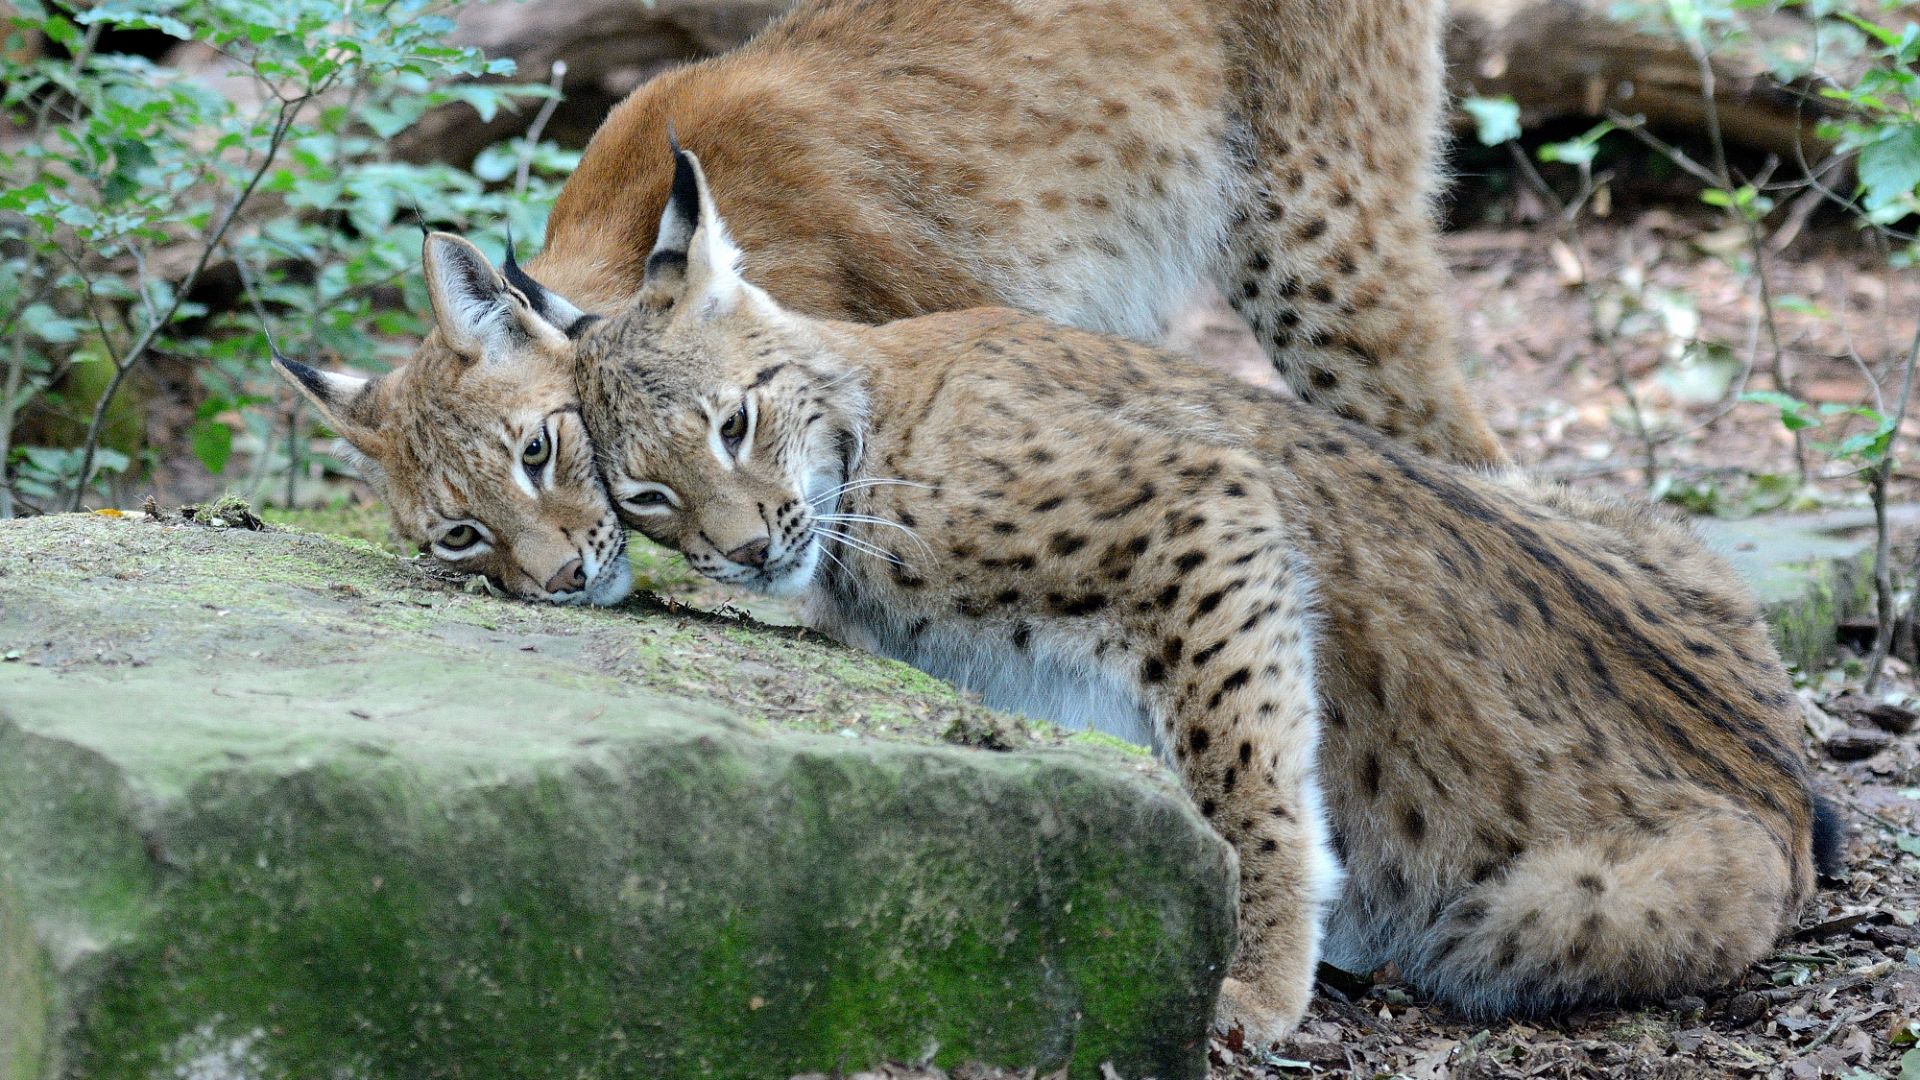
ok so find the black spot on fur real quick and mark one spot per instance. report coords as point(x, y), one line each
point(1415, 824)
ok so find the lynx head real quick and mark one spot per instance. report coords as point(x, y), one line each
point(476, 444)
point(725, 426)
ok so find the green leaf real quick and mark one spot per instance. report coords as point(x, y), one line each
point(1687, 18)
point(212, 443)
point(49, 325)
point(1793, 412)
point(1890, 167)
point(1908, 843)
point(1802, 306)
point(1910, 1065)
point(1879, 33)
point(1497, 119)
point(1578, 151)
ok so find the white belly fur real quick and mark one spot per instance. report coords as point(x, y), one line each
point(1056, 678)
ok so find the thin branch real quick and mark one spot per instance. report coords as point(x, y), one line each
point(524, 173)
point(288, 113)
point(1882, 571)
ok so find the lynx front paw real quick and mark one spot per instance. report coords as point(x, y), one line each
point(1260, 1021)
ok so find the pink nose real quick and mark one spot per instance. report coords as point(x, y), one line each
point(753, 553)
point(569, 578)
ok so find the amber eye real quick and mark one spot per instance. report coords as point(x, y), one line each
point(537, 452)
point(460, 538)
point(735, 428)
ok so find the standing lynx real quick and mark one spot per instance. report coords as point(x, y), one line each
point(1092, 161)
point(1557, 754)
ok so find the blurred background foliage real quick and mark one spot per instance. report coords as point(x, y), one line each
point(183, 178)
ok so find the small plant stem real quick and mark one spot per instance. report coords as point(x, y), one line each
point(1567, 214)
point(289, 112)
point(1721, 180)
point(1882, 559)
point(293, 454)
point(1757, 249)
point(524, 172)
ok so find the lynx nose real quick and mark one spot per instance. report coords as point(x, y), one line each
point(569, 578)
point(752, 553)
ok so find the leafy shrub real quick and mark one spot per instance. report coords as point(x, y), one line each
point(1865, 68)
point(266, 157)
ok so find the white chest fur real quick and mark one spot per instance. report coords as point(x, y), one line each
point(1053, 676)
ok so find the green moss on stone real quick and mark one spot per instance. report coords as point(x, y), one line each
point(286, 808)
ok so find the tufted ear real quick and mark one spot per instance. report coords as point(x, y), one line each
point(694, 264)
point(483, 313)
point(350, 404)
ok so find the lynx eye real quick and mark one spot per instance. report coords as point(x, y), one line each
point(651, 499)
point(460, 538)
point(537, 452)
point(735, 428)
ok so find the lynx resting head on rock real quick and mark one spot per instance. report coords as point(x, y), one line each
point(1546, 736)
point(1092, 161)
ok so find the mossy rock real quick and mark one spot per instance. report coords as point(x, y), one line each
point(278, 806)
point(1811, 572)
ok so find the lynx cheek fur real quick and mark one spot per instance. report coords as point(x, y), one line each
point(1091, 161)
point(1547, 736)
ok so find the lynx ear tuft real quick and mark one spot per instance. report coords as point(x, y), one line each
point(678, 222)
point(546, 303)
point(693, 260)
point(348, 403)
point(485, 313)
point(469, 296)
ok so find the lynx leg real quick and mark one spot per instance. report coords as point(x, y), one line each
point(1610, 917)
point(1235, 691)
point(1333, 255)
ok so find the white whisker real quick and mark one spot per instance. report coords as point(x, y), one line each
point(867, 482)
point(824, 550)
point(870, 520)
point(858, 545)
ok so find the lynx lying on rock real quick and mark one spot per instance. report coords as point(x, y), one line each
point(1546, 736)
point(1087, 160)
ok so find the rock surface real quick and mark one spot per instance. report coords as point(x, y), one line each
point(1811, 572)
point(276, 806)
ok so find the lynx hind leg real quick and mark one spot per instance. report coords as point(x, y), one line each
point(1235, 686)
point(1333, 256)
point(1612, 917)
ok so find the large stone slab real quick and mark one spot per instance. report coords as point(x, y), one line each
point(276, 806)
point(1812, 571)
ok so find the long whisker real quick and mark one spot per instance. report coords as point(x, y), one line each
point(858, 545)
point(866, 482)
point(870, 520)
point(824, 550)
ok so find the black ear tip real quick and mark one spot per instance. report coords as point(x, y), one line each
point(510, 266)
point(302, 374)
point(685, 198)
